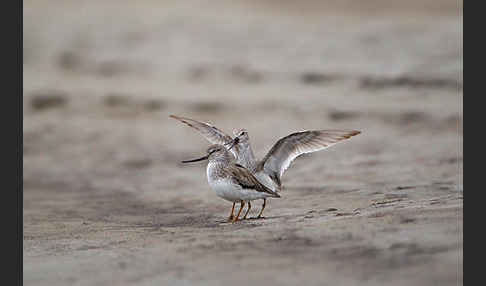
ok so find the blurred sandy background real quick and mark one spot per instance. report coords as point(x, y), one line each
point(106, 201)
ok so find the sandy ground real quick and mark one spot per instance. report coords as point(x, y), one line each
point(106, 201)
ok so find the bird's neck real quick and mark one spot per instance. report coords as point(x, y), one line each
point(224, 158)
point(247, 158)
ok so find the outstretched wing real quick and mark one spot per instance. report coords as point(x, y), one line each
point(288, 148)
point(241, 176)
point(211, 133)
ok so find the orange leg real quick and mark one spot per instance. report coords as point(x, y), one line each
point(263, 207)
point(230, 218)
point(248, 210)
point(239, 212)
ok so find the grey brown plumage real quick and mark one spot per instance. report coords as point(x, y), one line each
point(210, 132)
point(241, 176)
point(270, 169)
point(288, 148)
point(231, 181)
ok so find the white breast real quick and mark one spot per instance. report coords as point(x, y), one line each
point(225, 189)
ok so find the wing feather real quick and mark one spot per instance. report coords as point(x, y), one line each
point(211, 133)
point(288, 148)
point(241, 176)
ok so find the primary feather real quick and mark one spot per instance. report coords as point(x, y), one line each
point(208, 131)
point(288, 148)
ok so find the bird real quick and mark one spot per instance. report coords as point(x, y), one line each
point(270, 169)
point(232, 181)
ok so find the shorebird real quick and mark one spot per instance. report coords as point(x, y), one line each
point(270, 169)
point(231, 181)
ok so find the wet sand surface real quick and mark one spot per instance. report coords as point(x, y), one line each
point(107, 201)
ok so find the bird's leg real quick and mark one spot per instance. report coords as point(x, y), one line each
point(263, 207)
point(248, 210)
point(239, 212)
point(230, 218)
